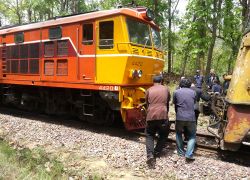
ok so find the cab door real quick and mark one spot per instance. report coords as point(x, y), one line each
point(87, 51)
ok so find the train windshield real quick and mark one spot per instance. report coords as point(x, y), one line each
point(156, 38)
point(138, 32)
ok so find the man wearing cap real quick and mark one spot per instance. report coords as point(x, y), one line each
point(198, 79)
point(157, 99)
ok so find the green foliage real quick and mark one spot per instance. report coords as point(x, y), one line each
point(195, 33)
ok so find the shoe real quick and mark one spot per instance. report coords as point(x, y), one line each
point(157, 154)
point(179, 154)
point(151, 163)
point(185, 139)
point(190, 159)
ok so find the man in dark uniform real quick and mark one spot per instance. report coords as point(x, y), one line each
point(184, 100)
point(211, 78)
point(198, 79)
point(199, 95)
point(216, 87)
point(157, 99)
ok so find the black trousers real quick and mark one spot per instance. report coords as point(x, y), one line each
point(197, 113)
point(161, 127)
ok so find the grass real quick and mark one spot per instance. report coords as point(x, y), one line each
point(33, 164)
point(27, 164)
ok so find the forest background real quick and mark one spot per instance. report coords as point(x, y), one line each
point(207, 35)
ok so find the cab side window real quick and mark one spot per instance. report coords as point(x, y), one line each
point(106, 35)
point(87, 34)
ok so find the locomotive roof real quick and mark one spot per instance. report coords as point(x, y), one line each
point(80, 17)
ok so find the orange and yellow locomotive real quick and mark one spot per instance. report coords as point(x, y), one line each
point(95, 65)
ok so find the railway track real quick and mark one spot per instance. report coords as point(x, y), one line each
point(212, 150)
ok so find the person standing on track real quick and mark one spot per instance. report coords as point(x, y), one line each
point(184, 100)
point(157, 99)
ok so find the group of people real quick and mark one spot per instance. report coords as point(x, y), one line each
point(186, 102)
point(212, 82)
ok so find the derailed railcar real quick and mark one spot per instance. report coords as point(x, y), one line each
point(95, 65)
point(237, 126)
point(232, 112)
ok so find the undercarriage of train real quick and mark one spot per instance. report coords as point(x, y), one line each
point(224, 125)
point(99, 107)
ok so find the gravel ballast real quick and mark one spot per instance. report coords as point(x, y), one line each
point(86, 150)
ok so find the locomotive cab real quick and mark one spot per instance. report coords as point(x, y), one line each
point(128, 55)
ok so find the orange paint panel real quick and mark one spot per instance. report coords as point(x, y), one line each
point(61, 84)
point(33, 35)
point(9, 39)
point(72, 31)
point(10, 78)
point(45, 33)
point(86, 64)
point(86, 68)
point(71, 76)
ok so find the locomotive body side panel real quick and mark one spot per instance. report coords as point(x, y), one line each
point(87, 51)
point(239, 89)
point(58, 54)
point(110, 63)
point(238, 97)
point(94, 53)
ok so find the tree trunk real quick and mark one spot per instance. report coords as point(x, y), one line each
point(201, 35)
point(34, 16)
point(169, 36)
point(29, 12)
point(200, 61)
point(156, 10)
point(18, 12)
point(216, 17)
point(63, 5)
point(74, 6)
point(245, 12)
point(184, 64)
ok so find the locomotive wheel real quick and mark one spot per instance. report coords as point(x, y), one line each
point(110, 117)
point(97, 111)
point(102, 112)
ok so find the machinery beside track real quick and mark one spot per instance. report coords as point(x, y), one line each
point(228, 123)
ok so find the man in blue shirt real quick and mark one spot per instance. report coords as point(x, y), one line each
point(184, 100)
point(198, 79)
point(216, 88)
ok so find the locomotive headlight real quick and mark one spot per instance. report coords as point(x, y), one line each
point(139, 72)
point(133, 73)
